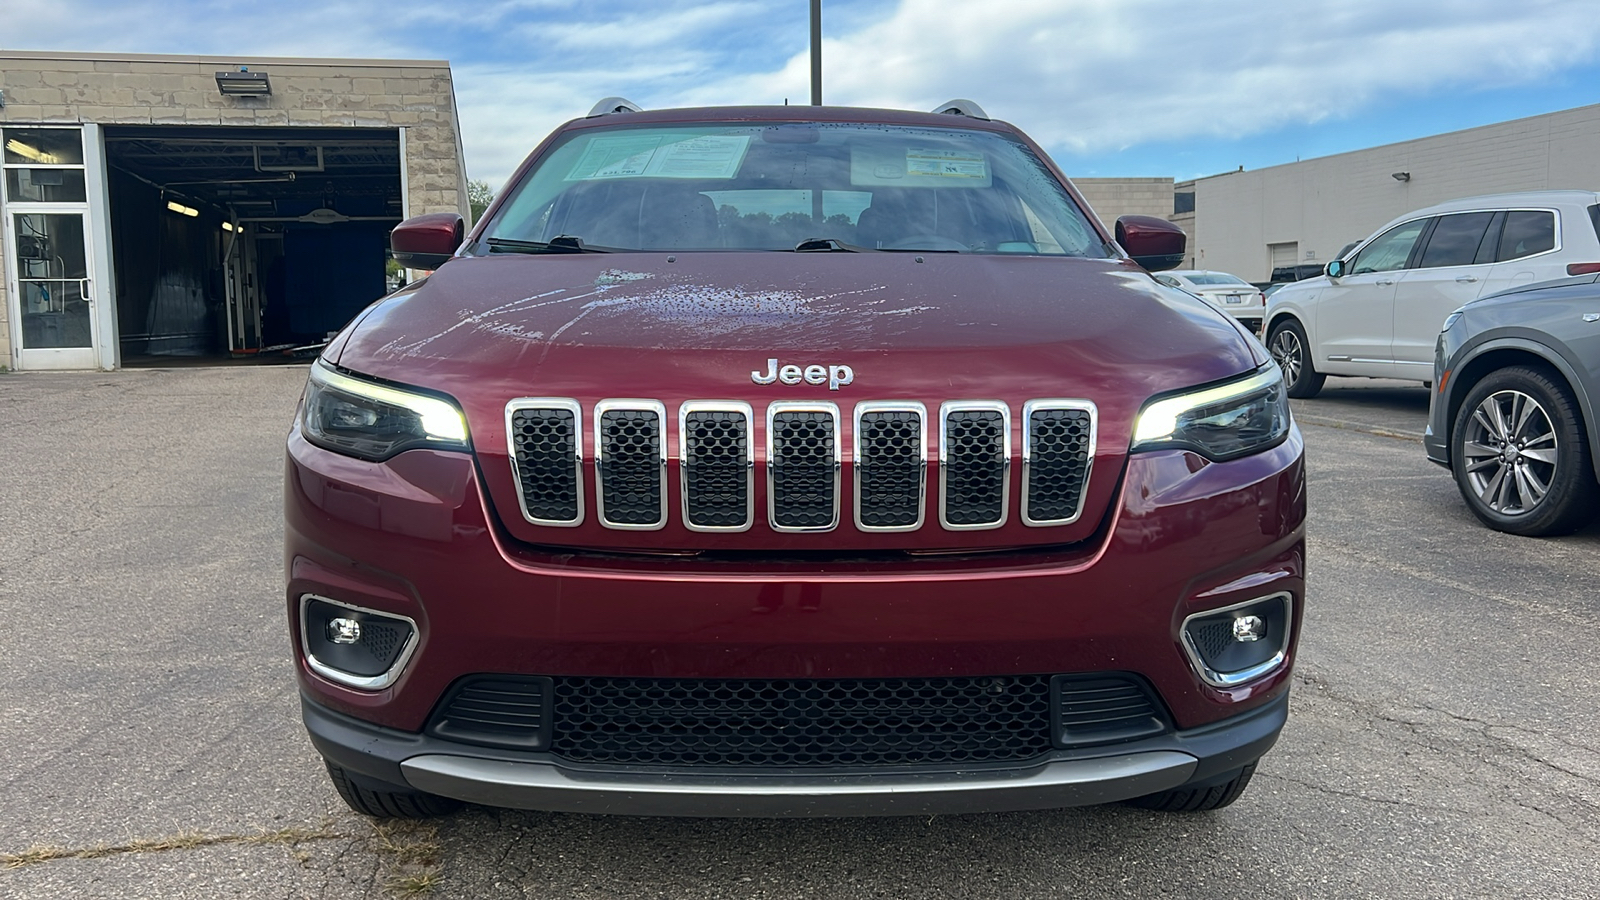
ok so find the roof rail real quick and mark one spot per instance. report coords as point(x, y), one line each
point(962, 108)
point(613, 105)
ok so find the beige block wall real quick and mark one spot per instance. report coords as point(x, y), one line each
point(42, 88)
point(1112, 198)
point(1323, 204)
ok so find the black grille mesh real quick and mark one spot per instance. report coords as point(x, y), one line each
point(716, 468)
point(545, 441)
point(974, 467)
point(780, 723)
point(804, 492)
point(889, 468)
point(382, 639)
point(1058, 466)
point(801, 722)
point(630, 466)
point(1212, 637)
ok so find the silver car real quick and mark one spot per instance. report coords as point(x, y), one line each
point(1513, 416)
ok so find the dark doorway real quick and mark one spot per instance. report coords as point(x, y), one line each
point(246, 243)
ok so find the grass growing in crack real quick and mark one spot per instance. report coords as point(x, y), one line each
point(414, 885)
point(183, 840)
point(410, 855)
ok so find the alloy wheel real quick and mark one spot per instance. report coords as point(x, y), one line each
point(1288, 353)
point(1510, 452)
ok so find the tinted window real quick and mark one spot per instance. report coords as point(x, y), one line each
point(1527, 232)
point(1455, 239)
point(1391, 249)
point(1215, 278)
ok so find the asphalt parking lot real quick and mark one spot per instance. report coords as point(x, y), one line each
point(1442, 741)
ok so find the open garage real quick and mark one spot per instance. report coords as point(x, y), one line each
point(167, 210)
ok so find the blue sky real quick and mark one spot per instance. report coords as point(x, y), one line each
point(1179, 88)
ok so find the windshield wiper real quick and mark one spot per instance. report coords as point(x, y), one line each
point(563, 243)
point(826, 245)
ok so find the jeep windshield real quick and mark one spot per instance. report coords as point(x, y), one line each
point(791, 187)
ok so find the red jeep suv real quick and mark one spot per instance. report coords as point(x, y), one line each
point(792, 461)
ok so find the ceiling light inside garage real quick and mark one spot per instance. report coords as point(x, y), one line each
point(181, 209)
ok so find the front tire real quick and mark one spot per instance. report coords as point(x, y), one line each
point(399, 803)
point(1216, 794)
point(1291, 351)
point(1520, 457)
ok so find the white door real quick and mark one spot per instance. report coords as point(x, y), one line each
point(1354, 330)
point(52, 247)
point(1448, 274)
point(53, 284)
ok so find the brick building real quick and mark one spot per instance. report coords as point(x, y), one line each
point(155, 207)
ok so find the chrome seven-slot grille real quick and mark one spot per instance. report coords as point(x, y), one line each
point(803, 441)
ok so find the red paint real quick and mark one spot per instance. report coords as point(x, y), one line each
point(437, 536)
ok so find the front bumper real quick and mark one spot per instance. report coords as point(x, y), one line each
point(542, 782)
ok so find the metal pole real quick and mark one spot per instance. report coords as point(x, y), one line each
point(816, 52)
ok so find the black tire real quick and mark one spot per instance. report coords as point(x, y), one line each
point(1520, 456)
point(399, 803)
point(1289, 348)
point(1212, 794)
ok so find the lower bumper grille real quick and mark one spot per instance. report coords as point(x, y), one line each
point(787, 723)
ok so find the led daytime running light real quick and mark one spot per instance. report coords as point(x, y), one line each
point(1160, 419)
point(439, 419)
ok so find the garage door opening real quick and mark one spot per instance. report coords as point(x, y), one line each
point(247, 243)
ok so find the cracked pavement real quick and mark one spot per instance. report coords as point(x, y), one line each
point(1442, 741)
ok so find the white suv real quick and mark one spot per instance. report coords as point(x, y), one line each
point(1377, 310)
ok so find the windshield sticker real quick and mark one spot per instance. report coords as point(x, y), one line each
point(643, 156)
point(926, 167)
point(615, 156)
point(946, 164)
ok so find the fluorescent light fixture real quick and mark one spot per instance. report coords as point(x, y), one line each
point(228, 226)
point(244, 83)
point(181, 209)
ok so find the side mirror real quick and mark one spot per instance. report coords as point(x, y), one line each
point(1335, 269)
point(1153, 243)
point(426, 242)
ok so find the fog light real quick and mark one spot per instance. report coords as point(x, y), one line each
point(348, 631)
point(1241, 642)
point(1245, 629)
point(355, 646)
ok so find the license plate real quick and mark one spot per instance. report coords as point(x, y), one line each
point(1234, 298)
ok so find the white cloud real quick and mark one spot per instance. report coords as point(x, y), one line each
point(1082, 76)
point(1097, 75)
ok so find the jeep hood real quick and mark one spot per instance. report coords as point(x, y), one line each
point(929, 327)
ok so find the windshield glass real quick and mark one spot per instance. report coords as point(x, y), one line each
point(772, 186)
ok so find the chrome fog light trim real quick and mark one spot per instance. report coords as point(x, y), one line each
point(339, 676)
point(1279, 606)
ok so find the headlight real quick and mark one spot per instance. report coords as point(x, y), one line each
point(1451, 320)
point(1222, 422)
point(374, 421)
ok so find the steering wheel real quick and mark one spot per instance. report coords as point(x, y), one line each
point(932, 242)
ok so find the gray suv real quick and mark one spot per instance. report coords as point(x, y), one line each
point(1517, 379)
